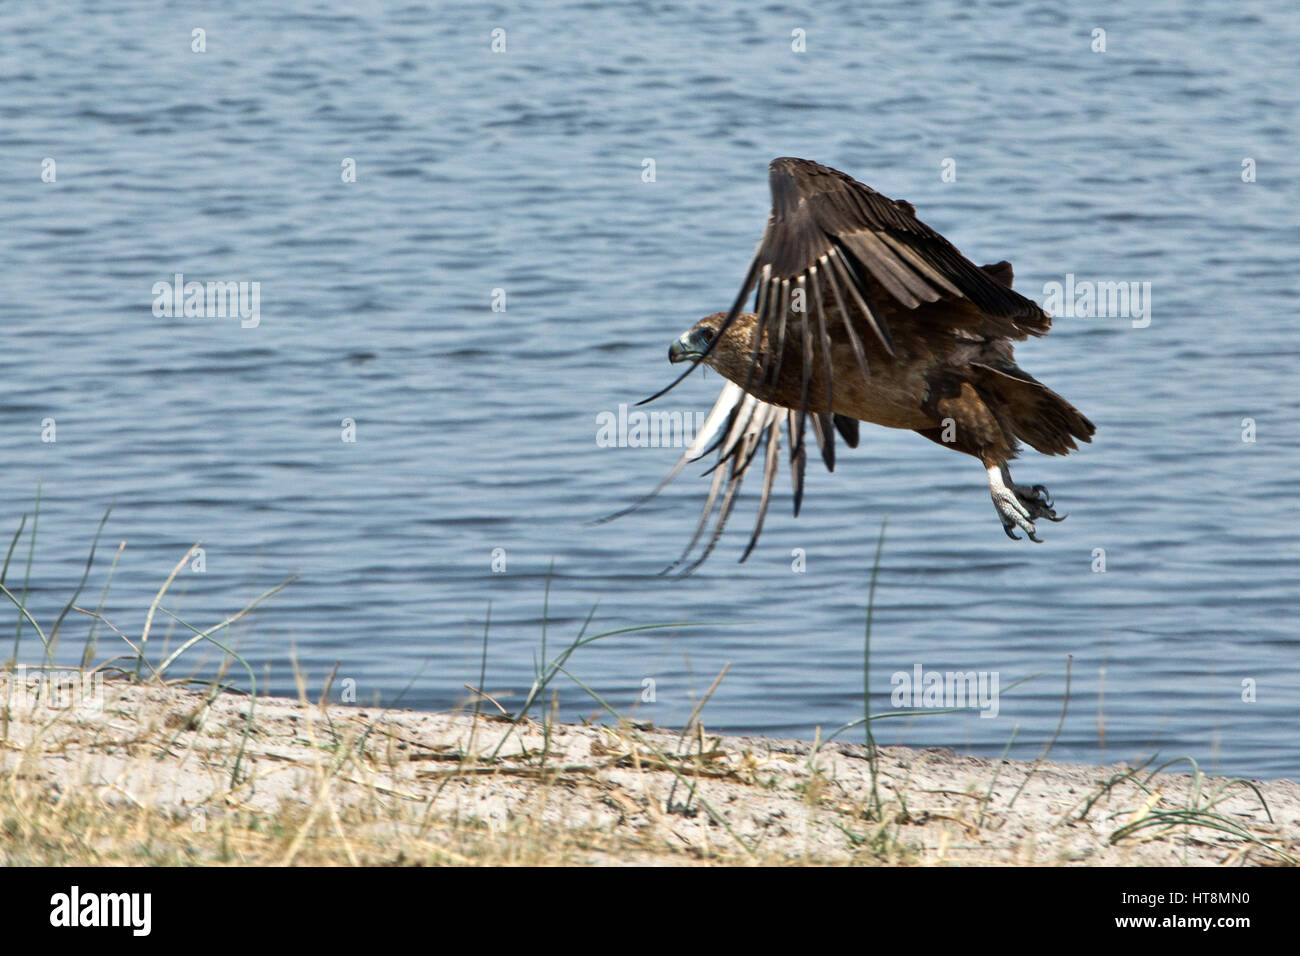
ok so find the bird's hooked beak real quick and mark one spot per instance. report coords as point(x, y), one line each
point(690, 345)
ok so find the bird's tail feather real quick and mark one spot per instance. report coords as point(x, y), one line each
point(1039, 416)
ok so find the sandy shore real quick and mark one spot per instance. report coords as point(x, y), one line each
point(175, 775)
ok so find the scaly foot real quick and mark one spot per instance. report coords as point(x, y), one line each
point(1019, 505)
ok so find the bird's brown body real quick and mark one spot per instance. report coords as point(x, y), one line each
point(887, 398)
point(937, 375)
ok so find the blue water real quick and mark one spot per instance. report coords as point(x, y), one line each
point(476, 429)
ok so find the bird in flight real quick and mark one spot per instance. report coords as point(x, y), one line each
point(863, 313)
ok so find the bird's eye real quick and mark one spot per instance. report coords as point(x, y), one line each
point(706, 333)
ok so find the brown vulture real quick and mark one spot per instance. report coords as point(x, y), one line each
point(864, 313)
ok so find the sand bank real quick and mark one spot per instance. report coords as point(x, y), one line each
point(170, 774)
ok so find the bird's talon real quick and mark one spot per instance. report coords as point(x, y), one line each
point(1020, 505)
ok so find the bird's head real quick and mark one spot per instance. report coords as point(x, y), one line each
point(731, 356)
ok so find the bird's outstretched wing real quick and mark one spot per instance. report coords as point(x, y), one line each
point(832, 233)
point(863, 269)
point(855, 259)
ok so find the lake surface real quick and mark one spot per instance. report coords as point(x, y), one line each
point(476, 430)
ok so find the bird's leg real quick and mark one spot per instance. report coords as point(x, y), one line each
point(1019, 505)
